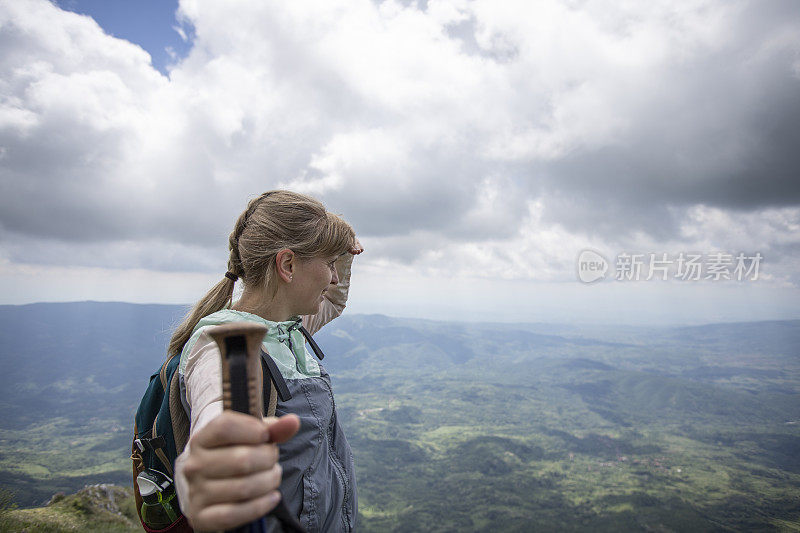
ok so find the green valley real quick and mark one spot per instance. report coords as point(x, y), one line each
point(458, 426)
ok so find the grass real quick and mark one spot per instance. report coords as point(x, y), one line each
point(101, 508)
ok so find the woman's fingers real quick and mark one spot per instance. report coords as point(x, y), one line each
point(231, 461)
point(231, 428)
point(232, 468)
point(231, 515)
point(234, 444)
point(239, 489)
point(357, 248)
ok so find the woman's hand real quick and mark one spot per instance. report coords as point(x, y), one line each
point(357, 248)
point(232, 469)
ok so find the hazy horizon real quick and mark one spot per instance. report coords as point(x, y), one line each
point(350, 312)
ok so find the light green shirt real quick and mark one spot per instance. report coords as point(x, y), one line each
point(283, 342)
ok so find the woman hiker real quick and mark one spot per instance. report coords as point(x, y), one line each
point(293, 259)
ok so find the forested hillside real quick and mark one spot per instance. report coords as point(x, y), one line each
point(457, 426)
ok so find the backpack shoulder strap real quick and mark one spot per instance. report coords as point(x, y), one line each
point(274, 385)
point(178, 416)
point(270, 396)
point(312, 342)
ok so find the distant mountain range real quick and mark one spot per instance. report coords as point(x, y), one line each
point(470, 426)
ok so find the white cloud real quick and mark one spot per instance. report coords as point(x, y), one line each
point(469, 139)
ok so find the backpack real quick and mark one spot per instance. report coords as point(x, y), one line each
point(161, 431)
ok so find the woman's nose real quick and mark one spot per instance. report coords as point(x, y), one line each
point(335, 277)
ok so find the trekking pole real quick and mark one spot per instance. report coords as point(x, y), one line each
point(242, 385)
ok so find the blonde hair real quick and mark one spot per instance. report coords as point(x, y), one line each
point(273, 221)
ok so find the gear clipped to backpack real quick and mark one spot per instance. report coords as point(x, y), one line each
point(160, 503)
point(160, 433)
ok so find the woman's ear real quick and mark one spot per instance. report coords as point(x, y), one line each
point(285, 262)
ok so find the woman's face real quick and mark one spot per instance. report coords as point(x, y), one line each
point(310, 279)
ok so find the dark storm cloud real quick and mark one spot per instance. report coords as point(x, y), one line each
point(721, 129)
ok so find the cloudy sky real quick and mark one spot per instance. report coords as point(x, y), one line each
point(477, 147)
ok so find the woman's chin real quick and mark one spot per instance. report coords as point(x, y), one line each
point(313, 309)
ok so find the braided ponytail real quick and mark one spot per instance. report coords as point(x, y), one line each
point(273, 221)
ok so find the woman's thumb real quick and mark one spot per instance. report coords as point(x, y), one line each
point(283, 428)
